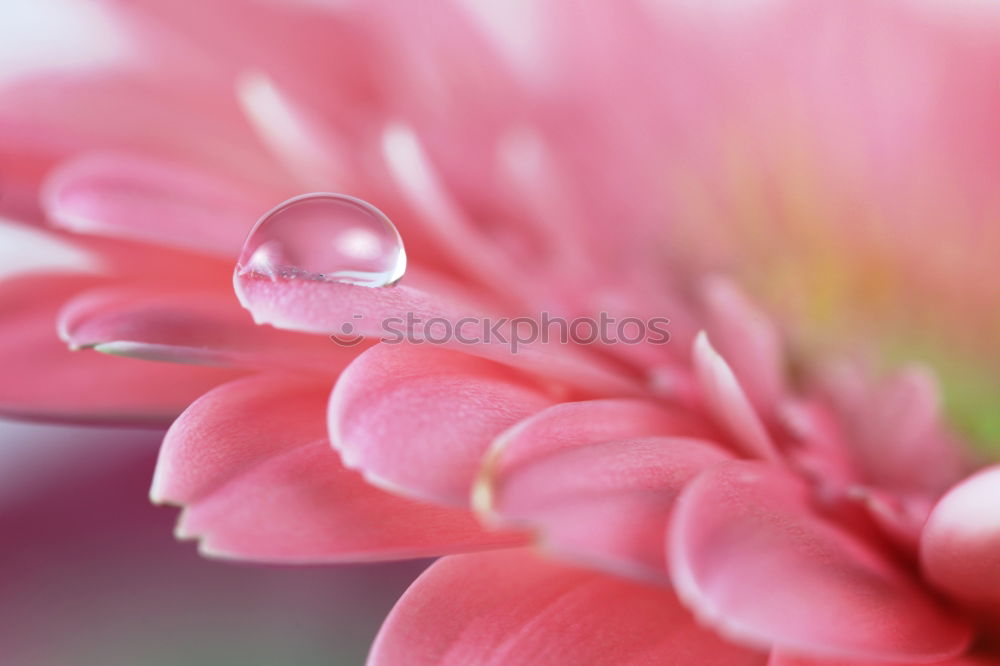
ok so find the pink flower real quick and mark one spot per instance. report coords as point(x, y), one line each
point(680, 503)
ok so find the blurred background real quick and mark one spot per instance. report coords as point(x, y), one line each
point(91, 574)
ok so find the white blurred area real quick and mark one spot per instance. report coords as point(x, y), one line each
point(56, 34)
point(26, 250)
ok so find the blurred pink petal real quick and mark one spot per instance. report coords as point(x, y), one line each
point(119, 195)
point(895, 433)
point(747, 338)
point(54, 115)
point(43, 379)
point(513, 607)
point(729, 404)
point(901, 517)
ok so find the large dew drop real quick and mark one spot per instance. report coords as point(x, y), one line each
point(327, 238)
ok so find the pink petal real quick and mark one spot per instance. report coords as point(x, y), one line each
point(748, 340)
point(42, 379)
point(512, 607)
point(900, 517)
point(126, 196)
point(419, 419)
point(594, 478)
point(751, 557)
point(202, 326)
point(903, 442)
point(960, 544)
point(304, 143)
point(21, 171)
point(325, 307)
point(54, 115)
point(895, 433)
point(251, 464)
point(815, 444)
point(727, 401)
point(572, 424)
point(415, 175)
point(605, 504)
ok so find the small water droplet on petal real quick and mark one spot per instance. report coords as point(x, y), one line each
point(327, 238)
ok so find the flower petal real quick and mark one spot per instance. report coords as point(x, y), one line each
point(201, 326)
point(126, 196)
point(748, 340)
point(605, 504)
point(728, 402)
point(47, 117)
point(42, 379)
point(595, 479)
point(251, 464)
point(303, 142)
point(419, 420)
point(900, 517)
point(750, 556)
point(405, 312)
point(572, 424)
point(960, 543)
point(895, 432)
point(512, 607)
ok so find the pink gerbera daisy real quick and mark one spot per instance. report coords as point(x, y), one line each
point(707, 497)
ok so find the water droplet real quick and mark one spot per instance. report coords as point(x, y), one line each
point(324, 237)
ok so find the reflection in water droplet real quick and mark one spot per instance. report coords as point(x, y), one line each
point(324, 237)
